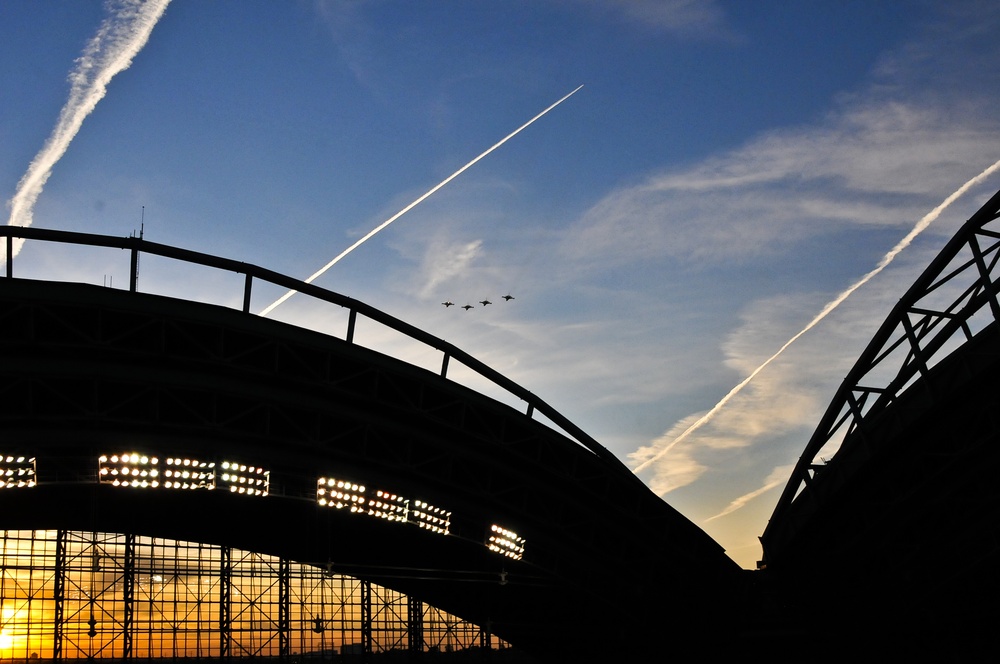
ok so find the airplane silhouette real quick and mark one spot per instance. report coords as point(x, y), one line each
point(467, 306)
point(447, 304)
point(508, 297)
point(485, 302)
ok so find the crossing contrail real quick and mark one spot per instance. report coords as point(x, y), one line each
point(412, 205)
point(830, 306)
point(120, 37)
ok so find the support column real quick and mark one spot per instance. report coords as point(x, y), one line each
point(225, 601)
point(59, 592)
point(128, 596)
point(366, 619)
point(415, 626)
point(284, 609)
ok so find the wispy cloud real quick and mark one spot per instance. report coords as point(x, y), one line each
point(702, 19)
point(787, 398)
point(921, 124)
point(868, 165)
point(352, 35)
point(444, 261)
point(120, 37)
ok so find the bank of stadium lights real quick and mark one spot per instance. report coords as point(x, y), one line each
point(341, 494)
point(17, 472)
point(505, 542)
point(243, 479)
point(129, 470)
point(388, 506)
point(181, 473)
point(143, 471)
point(354, 497)
point(431, 518)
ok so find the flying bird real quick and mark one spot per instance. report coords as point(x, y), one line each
point(447, 304)
point(508, 297)
point(485, 302)
point(466, 306)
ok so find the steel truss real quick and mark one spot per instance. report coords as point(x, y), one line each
point(952, 301)
point(71, 595)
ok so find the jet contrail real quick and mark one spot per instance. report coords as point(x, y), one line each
point(741, 502)
point(120, 37)
point(830, 306)
point(412, 205)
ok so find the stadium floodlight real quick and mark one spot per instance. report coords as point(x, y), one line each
point(184, 473)
point(243, 479)
point(133, 470)
point(17, 472)
point(389, 506)
point(341, 494)
point(432, 518)
point(505, 542)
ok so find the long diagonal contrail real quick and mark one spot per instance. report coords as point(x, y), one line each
point(830, 306)
point(268, 309)
point(120, 37)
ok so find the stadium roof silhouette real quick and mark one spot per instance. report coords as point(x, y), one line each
point(90, 371)
point(886, 533)
point(892, 510)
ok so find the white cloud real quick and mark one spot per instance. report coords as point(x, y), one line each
point(787, 397)
point(353, 37)
point(681, 469)
point(880, 164)
point(681, 18)
point(781, 400)
point(884, 154)
point(444, 260)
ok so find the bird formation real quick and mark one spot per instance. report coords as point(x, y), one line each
point(449, 303)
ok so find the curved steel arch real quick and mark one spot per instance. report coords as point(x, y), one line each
point(952, 301)
point(90, 370)
point(137, 246)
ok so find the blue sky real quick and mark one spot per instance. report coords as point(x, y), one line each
point(727, 169)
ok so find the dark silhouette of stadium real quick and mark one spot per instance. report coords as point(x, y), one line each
point(886, 534)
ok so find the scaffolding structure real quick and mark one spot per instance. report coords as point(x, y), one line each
point(73, 594)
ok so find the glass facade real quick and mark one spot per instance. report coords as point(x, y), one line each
point(72, 594)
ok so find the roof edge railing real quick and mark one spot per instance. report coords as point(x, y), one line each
point(138, 245)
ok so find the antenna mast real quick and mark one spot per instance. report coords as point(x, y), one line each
point(142, 228)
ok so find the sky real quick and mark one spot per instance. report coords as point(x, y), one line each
point(726, 171)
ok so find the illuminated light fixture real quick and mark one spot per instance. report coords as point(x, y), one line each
point(243, 479)
point(341, 494)
point(432, 518)
point(388, 506)
point(505, 542)
point(189, 474)
point(17, 472)
point(137, 471)
point(344, 494)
